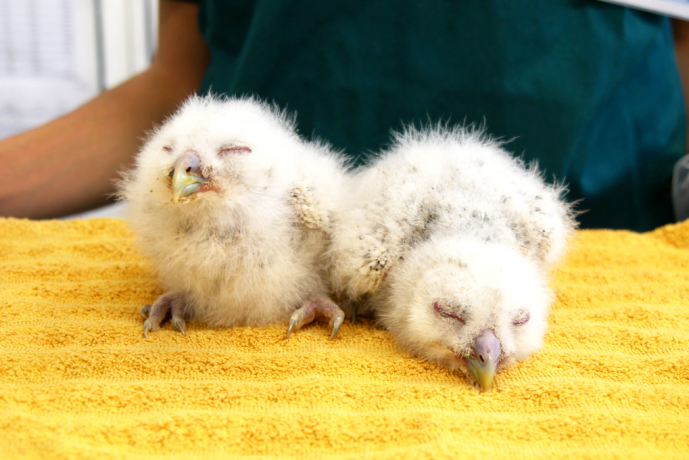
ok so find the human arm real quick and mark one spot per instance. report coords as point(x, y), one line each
point(68, 165)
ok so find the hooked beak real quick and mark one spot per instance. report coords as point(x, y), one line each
point(484, 361)
point(186, 178)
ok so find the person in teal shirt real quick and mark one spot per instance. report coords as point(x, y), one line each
point(589, 90)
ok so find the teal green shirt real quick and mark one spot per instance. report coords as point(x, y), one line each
point(588, 89)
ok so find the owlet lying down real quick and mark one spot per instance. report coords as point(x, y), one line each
point(233, 209)
point(448, 239)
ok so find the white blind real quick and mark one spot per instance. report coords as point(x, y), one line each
point(57, 54)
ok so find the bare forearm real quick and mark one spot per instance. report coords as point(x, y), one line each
point(68, 165)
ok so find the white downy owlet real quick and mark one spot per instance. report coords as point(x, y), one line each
point(233, 209)
point(449, 240)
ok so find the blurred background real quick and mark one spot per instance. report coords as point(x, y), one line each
point(57, 54)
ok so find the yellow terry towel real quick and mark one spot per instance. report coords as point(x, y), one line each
point(77, 380)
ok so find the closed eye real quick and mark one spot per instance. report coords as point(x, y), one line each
point(522, 318)
point(229, 150)
point(447, 314)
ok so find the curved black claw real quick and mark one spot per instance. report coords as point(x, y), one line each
point(148, 326)
point(179, 324)
point(337, 322)
point(145, 310)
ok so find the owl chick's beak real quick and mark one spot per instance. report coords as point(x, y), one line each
point(186, 178)
point(484, 360)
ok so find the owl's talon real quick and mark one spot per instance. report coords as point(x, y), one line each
point(179, 324)
point(147, 327)
point(292, 322)
point(312, 308)
point(156, 313)
point(337, 322)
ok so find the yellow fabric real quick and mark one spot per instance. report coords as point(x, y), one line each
point(77, 379)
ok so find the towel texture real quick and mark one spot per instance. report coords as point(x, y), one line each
point(77, 379)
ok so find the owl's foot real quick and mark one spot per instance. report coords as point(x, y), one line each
point(313, 308)
point(155, 313)
point(350, 309)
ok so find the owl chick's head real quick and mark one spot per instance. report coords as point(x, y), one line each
point(472, 305)
point(211, 153)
